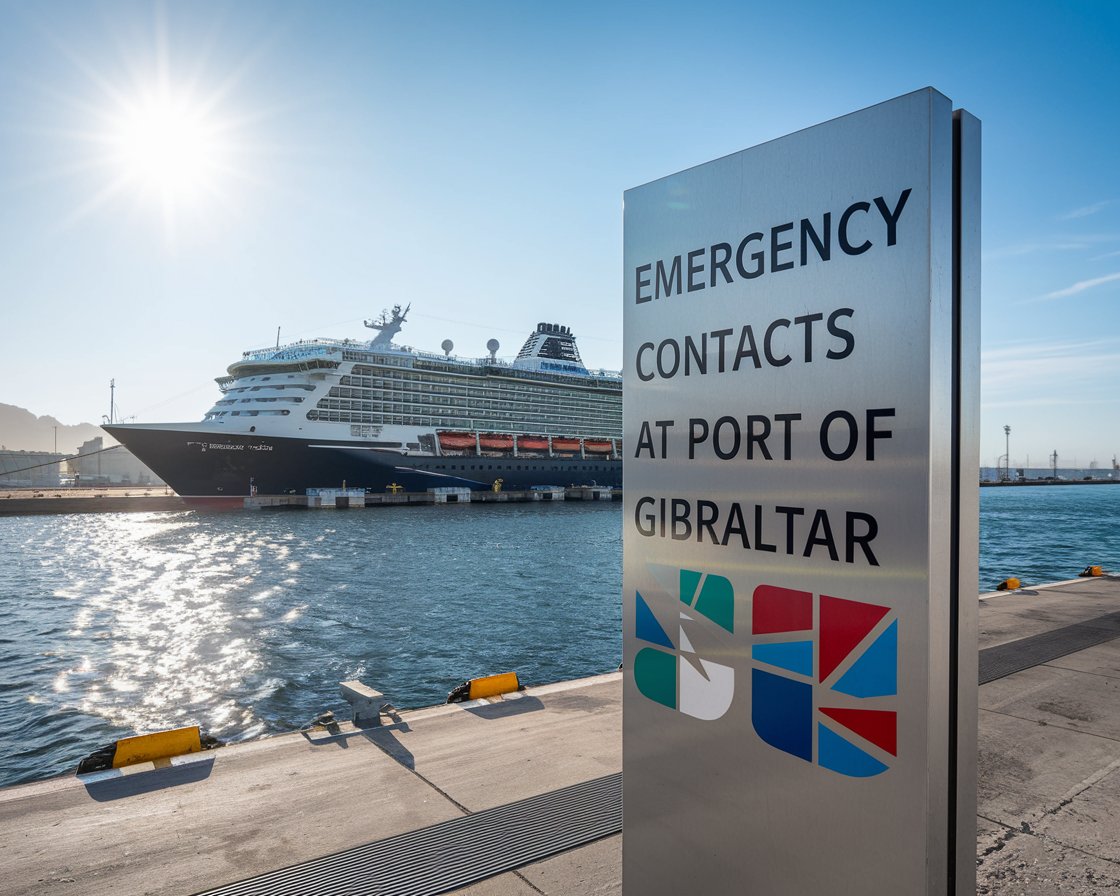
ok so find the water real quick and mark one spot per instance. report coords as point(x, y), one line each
point(1047, 533)
point(112, 624)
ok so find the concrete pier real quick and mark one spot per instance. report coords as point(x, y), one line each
point(138, 499)
point(1048, 809)
point(440, 496)
point(108, 499)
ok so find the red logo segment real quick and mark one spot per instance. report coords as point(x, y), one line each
point(874, 725)
point(781, 610)
point(844, 623)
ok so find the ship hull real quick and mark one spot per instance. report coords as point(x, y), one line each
point(220, 469)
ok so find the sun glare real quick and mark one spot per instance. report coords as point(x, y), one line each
point(160, 140)
point(167, 146)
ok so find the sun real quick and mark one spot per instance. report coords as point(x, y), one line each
point(151, 134)
point(169, 147)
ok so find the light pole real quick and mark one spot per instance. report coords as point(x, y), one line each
point(1007, 466)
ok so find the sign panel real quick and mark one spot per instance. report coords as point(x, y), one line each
point(798, 426)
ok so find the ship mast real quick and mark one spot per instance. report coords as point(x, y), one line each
point(387, 326)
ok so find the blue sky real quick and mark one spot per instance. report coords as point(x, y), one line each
point(471, 159)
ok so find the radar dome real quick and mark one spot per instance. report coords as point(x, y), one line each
point(492, 346)
point(447, 345)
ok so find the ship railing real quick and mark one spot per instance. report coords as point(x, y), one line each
point(295, 351)
point(468, 362)
point(596, 377)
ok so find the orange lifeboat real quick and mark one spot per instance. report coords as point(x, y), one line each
point(455, 441)
point(598, 447)
point(493, 441)
point(565, 444)
point(532, 443)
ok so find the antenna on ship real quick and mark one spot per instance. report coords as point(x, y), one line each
point(447, 345)
point(112, 401)
point(492, 346)
point(278, 337)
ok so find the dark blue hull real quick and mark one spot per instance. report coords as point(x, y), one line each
point(206, 465)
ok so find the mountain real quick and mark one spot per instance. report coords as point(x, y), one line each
point(21, 430)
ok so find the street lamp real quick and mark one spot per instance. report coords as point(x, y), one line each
point(1007, 467)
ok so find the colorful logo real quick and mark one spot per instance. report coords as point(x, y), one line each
point(807, 682)
point(676, 676)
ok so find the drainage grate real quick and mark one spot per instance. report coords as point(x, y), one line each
point(454, 853)
point(1015, 656)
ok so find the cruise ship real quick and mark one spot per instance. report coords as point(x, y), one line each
point(327, 413)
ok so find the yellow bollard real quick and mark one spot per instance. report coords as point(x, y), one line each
point(1011, 584)
point(490, 686)
point(160, 745)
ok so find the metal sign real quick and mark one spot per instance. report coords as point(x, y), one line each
point(801, 348)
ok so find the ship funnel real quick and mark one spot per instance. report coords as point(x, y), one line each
point(447, 345)
point(492, 346)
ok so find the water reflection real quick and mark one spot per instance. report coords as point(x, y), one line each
point(163, 600)
point(244, 623)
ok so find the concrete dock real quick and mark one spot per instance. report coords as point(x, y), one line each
point(1048, 808)
point(103, 499)
point(138, 499)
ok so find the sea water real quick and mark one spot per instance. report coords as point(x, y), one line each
point(245, 622)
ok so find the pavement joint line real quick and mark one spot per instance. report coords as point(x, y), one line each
point(1053, 664)
point(1009, 834)
point(517, 873)
point(1042, 835)
point(1094, 778)
point(991, 820)
point(426, 780)
point(1083, 852)
point(1059, 726)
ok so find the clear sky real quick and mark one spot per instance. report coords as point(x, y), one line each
point(178, 180)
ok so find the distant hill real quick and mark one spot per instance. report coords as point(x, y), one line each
point(21, 430)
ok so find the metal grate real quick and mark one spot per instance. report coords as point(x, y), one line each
point(1015, 656)
point(454, 853)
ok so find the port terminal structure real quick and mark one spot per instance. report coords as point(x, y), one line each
point(404, 806)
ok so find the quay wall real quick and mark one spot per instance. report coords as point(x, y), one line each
point(26, 502)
